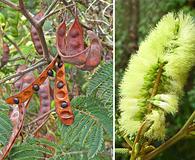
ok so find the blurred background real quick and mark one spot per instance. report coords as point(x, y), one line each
point(134, 20)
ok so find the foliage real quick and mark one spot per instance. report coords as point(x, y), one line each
point(91, 92)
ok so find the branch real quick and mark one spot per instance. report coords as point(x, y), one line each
point(41, 22)
point(181, 134)
point(22, 72)
point(54, 12)
point(10, 4)
point(38, 28)
point(27, 14)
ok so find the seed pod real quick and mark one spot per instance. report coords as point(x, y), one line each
point(17, 118)
point(5, 56)
point(71, 47)
point(94, 53)
point(25, 80)
point(35, 36)
point(28, 91)
point(61, 98)
point(44, 95)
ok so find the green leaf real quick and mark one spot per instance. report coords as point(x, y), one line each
point(96, 141)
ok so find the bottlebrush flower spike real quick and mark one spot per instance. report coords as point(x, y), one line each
point(157, 73)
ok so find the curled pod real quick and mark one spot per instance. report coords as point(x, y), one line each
point(5, 56)
point(17, 118)
point(94, 52)
point(35, 36)
point(71, 47)
point(32, 88)
point(44, 95)
point(61, 98)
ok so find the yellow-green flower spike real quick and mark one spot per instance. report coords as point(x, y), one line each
point(171, 45)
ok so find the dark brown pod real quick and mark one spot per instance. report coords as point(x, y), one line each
point(44, 95)
point(62, 102)
point(28, 91)
point(5, 56)
point(35, 36)
point(71, 47)
point(93, 54)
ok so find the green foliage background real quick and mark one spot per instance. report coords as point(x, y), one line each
point(150, 11)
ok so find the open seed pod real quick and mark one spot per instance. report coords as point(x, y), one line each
point(5, 55)
point(62, 102)
point(93, 53)
point(32, 88)
point(17, 118)
point(71, 47)
point(35, 36)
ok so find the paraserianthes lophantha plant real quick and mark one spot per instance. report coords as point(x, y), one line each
point(153, 82)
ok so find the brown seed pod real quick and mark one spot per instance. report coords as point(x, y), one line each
point(25, 80)
point(44, 95)
point(71, 47)
point(17, 118)
point(28, 91)
point(5, 55)
point(35, 36)
point(62, 102)
point(93, 54)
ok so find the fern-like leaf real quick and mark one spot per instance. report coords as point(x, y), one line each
point(95, 141)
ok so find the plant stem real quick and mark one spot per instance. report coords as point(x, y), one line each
point(128, 141)
point(181, 134)
point(156, 84)
point(10, 4)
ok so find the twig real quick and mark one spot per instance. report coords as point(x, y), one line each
point(40, 117)
point(38, 28)
point(54, 12)
point(47, 12)
point(10, 4)
point(128, 141)
point(83, 25)
point(22, 72)
point(27, 14)
point(15, 45)
point(51, 7)
point(181, 134)
point(40, 126)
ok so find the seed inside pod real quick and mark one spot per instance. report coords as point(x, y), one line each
point(50, 73)
point(60, 64)
point(60, 84)
point(35, 87)
point(64, 104)
point(16, 100)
